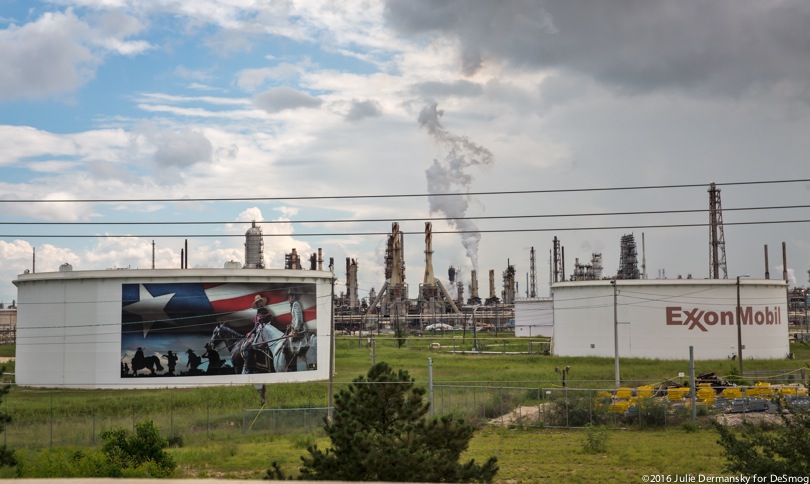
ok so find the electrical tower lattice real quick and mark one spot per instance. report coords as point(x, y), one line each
point(717, 240)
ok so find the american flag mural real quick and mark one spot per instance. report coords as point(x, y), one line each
point(166, 328)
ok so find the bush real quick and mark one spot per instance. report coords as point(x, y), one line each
point(652, 412)
point(575, 409)
point(66, 462)
point(596, 438)
point(139, 454)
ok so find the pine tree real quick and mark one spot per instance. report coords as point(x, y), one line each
point(380, 432)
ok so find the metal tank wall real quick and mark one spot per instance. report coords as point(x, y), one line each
point(82, 329)
point(662, 318)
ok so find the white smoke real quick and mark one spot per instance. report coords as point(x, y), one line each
point(450, 176)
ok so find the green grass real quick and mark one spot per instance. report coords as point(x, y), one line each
point(212, 421)
point(8, 351)
point(524, 455)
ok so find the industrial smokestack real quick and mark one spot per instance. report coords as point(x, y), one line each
point(767, 271)
point(320, 259)
point(784, 263)
point(492, 283)
point(429, 279)
point(473, 284)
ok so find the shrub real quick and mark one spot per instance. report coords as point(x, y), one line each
point(575, 409)
point(652, 412)
point(596, 438)
point(142, 452)
point(66, 462)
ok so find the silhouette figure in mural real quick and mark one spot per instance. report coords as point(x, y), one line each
point(215, 361)
point(140, 362)
point(193, 361)
point(172, 359)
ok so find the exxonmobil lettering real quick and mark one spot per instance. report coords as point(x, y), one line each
point(702, 319)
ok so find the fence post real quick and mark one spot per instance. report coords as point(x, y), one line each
point(475, 405)
point(171, 413)
point(692, 382)
point(430, 386)
point(500, 404)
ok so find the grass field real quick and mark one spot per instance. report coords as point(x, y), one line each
point(203, 416)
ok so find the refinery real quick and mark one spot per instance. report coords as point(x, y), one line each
point(588, 313)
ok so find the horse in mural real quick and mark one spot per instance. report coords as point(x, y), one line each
point(140, 362)
point(269, 350)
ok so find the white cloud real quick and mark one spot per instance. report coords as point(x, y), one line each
point(252, 79)
point(183, 149)
point(60, 52)
point(48, 56)
point(360, 110)
point(284, 98)
point(526, 80)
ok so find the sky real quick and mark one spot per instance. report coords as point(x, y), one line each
point(125, 122)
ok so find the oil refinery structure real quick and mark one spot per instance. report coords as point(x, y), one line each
point(102, 329)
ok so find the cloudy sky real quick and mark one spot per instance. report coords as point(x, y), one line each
point(545, 116)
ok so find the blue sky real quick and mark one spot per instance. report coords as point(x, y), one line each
point(120, 99)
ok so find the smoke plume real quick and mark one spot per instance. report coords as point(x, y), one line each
point(450, 176)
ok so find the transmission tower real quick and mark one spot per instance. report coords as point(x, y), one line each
point(717, 241)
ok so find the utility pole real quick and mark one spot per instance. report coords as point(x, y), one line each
point(615, 332)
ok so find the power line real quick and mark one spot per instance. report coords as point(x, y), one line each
point(416, 232)
point(400, 195)
point(412, 219)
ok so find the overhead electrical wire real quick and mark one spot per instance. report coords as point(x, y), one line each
point(435, 232)
point(399, 195)
point(413, 219)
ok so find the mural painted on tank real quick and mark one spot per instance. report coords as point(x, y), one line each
point(192, 329)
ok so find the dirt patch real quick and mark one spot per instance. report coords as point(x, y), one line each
point(519, 415)
point(6, 359)
point(531, 414)
point(756, 418)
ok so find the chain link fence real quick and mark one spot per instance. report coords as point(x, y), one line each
point(508, 405)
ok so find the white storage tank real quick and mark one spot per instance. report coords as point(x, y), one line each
point(662, 318)
point(172, 327)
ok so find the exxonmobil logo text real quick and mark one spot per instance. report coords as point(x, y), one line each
point(696, 318)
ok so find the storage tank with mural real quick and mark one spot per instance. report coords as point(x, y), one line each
point(170, 327)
